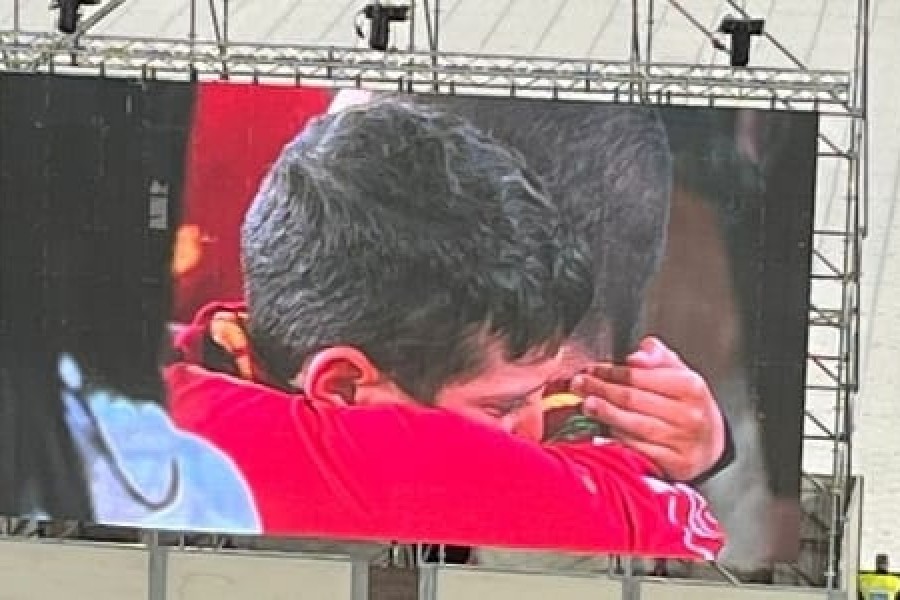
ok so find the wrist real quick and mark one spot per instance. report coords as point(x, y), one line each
point(725, 458)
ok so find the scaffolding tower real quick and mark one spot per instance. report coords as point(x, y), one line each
point(839, 96)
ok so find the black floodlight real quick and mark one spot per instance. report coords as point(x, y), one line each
point(741, 30)
point(70, 13)
point(381, 17)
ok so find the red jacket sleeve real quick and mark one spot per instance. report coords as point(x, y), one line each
point(414, 474)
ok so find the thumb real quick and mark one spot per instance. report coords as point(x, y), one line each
point(654, 354)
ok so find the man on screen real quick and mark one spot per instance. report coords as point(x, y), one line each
point(608, 167)
point(396, 257)
point(610, 171)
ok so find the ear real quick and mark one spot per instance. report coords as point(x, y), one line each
point(335, 374)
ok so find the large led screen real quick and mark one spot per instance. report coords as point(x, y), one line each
point(491, 323)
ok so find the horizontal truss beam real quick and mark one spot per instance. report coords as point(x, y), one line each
point(418, 71)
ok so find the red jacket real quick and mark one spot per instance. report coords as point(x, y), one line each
point(417, 474)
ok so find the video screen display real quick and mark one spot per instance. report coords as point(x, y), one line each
point(494, 323)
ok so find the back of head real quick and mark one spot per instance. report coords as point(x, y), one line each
point(610, 169)
point(406, 232)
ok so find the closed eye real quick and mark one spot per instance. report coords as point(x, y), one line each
point(501, 408)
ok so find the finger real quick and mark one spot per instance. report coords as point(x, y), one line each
point(631, 424)
point(632, 400)
point(653, 353)
point(648, 355)
point(675, 383)
point(666, 459)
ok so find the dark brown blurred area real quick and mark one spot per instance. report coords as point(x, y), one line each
point(691, 303)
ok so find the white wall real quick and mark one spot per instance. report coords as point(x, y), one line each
point(208, 576)
point(458, 584)
point(50, 571)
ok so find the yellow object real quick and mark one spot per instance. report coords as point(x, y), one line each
point(873, 586)
point(562, 400)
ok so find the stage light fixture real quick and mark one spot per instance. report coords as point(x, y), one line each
point(741, 32)
point(381, 17)
point(70, 13)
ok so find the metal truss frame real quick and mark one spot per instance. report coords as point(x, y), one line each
point(839, 96)
point(828, 91)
